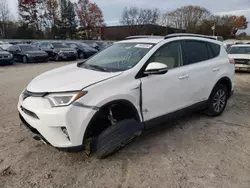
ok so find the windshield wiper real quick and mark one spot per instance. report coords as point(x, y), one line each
point(93, 67)
point(99, 68)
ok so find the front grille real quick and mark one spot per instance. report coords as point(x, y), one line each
point(29, 113)
point(242, 61)
point(27, 125)
point(4, 57)
point(33, 130)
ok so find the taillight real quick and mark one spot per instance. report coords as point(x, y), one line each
point(231, 61)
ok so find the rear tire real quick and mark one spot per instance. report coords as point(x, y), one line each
point(57, 57)
point(116, 137)
point(81, 55)
point(25, 59)
point(217, 101)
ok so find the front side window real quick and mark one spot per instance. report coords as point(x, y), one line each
point(119, 57)
point(195, 52)
point(170, 54)
point(239, 50)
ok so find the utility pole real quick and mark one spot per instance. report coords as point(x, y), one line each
point(213, 28)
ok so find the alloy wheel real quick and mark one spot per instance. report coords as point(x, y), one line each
point(219, 100)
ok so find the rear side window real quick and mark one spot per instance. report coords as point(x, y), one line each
point(195, 51)
point(215, 48)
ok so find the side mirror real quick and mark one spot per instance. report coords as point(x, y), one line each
point(156, 68)
point(18, 51)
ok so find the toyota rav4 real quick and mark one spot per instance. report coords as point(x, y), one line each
point(112, 97)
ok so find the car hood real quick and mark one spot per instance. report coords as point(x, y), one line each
point(239, 56)
point(4, 53)
point(68, 78)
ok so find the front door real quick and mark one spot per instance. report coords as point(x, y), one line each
point(163, 94)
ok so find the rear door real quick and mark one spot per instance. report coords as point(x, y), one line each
point(202, 68)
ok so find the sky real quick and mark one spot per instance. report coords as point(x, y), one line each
point(112, 9)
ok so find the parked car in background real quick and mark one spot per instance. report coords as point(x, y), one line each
point(47, 47)
point(102, 45)
point(6, 58)
point(92, 44)
point(241, 55)
point(227, 46)
point(5, 45)
point(58, 50)
point(135, 84)
point(26, 53)
point(84, 51)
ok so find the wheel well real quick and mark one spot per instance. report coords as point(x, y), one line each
point(121, 109)
point(226, 82)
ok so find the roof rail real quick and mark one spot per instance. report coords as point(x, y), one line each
point(145, 36)
point(188, 35)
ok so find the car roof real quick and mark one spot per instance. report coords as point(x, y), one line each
point(240, 45)
point(143, 40)
point(156, 40)
point(23, 45)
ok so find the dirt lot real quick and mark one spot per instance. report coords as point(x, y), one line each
point(193, 152)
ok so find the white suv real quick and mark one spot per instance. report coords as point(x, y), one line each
point(134, 84)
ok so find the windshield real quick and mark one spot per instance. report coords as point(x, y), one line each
point(59, 45)
point(119, 57)
point(240, 50)
point(27, 48)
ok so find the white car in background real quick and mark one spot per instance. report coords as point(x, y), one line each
point(5, 45)
point(241, 55)
point(134, 84)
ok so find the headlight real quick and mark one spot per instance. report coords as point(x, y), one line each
point(11, 56)
point(64, 99)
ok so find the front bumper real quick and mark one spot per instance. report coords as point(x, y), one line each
point(50, 121)
point(6, 61)
point(38, 58)
point(67, 55)
point(242, 67)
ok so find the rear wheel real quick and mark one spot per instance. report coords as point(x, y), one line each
point(217, 101)
point(81, 55)
point(25, 59)
point(57, 57)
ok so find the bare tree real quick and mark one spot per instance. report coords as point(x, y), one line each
point(186, 17)
point(4, 17)
point(136, 16)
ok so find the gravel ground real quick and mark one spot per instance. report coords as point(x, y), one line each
point(194, 151)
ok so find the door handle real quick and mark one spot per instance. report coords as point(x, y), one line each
point(182, 77)
point(216, 69)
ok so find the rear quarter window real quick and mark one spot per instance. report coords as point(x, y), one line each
point(215, 49)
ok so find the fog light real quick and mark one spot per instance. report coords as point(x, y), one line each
point(65, 132)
